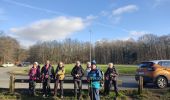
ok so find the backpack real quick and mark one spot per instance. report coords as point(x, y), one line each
point(102, 77)
point(102, 80)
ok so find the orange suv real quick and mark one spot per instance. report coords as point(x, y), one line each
point(157, 72)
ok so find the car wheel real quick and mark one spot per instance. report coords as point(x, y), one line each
point(161, 82)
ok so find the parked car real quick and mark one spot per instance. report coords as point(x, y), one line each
point(8, 64)
point(157, 72)
point(24, 64)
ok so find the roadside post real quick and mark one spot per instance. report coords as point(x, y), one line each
point(140, 85)
point(11, 84)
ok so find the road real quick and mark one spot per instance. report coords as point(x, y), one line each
point(128, 82)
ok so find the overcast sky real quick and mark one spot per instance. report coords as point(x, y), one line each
point(30, 21)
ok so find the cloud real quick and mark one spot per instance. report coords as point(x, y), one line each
point(125, 9)
point(137, 33)
point(91, 17)
point(49, 29)
point(133, 35)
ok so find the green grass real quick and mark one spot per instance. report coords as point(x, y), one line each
point(122, 69)
point(68, 95)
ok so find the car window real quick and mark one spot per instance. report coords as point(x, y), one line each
point(146, 64)
point(166, 63)
point(160, 63)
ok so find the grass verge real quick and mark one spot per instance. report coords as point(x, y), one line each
point(122, 69)
point(68, 95)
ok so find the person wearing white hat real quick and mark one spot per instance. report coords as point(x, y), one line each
point(34, 75)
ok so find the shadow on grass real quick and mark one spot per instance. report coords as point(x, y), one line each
point(23, 94)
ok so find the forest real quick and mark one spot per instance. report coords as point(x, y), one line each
point(146, 47)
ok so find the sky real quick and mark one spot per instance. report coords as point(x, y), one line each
point(30, 21)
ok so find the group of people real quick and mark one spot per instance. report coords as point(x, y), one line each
point(93, 74)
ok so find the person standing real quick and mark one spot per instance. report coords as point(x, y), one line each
point(111, 75)
point(38, 66)
point(77, 73)
point(47, 73)
point(59, 76)
point(88, 68)
point(94, 77)
point(34, 75)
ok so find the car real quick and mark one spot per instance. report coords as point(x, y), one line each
point(8, 64)
point(24, 64)
point(156, 71)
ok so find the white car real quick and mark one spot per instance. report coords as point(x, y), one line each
point(8, 64)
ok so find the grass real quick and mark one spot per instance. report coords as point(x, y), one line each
point(122, 69)
point(68, 95)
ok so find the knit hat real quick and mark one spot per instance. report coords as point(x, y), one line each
point(93, 62)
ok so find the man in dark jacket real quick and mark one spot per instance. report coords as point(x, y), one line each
point(47, 73)
point(77, 73)
point(111, 78)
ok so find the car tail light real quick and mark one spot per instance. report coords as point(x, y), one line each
point(151, 69)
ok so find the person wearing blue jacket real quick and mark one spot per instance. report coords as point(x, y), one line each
point(94, 77)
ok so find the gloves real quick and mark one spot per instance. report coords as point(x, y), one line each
point(107, 78)
point(46, 76)
point(90, 78)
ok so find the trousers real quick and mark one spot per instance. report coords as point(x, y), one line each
point(32, 85)
point(46, 86)
point(56, 87)
point(108, 85)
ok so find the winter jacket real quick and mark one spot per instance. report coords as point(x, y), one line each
point(111, 73)
point(87, 71)
point(47, 71)
point(77, 70)
point(95, 76)
point(60, 73)
point(34, 73)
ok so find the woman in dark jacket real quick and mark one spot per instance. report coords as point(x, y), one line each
point(111, 78)
point(47, 73)
point(34, 75)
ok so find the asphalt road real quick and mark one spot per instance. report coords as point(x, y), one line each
point(128, 82)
